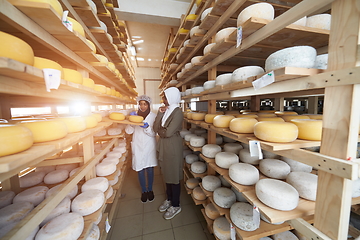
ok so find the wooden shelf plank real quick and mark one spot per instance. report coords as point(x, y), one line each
point(88, 16)
point(209, 221)
point(195, 149)
point(106, 119)
point(12, 68)
point(222, 211)
point(74, 42)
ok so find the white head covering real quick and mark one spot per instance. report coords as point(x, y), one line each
point(143, 97)
point(173, 97)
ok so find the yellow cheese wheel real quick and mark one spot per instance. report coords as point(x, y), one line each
point(198, 2)
point(288, 118)
point(117, 116)
point(76, 26)
point(53, 3)
point(100, 88)
point(88, 82)
point(222, 121)
point(108, 91)
point(47, 130)
point(197, 116)
point(14, 139)
point(93, 47)
point(97, 116)
point(172, 50)
point(285, 113)
point(189, 115)
point(74, 124)
point(246, 116)
point(253, 113)
point(136, 119)
point(281, 132)
point(183, 30)
point(113, 92)
point(314, 116)
point(91, 121)
point(267, 111)
point(111, 65)
point(209, 118)
point(47, 63)
point(242, 125)
point(245, 110)
point(109, 5)
point(72, 76)
point(16, 120)
point(309, 129)
point(274, 119)
point(191, 17)
point(14, 48)
point(266, 114)
point(102, 58)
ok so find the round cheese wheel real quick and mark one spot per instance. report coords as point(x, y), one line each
point(192, 183)
point(100, 88)
point(211, 211)
point(267, 154)
point(72, 76)
point(281, 113)
point(184, 132)
point(191, 17)
point(48, 130)
point(94, 233)
point(209, 84)
point(90, 121)
point(76, 26)
point(242, 125)
point(224, 34)
point(232, 147)
point(304, 183)
point(112, 159)
point(287, 235)
point(55, 190)
point(195, 60)
point(244, 173)
point(62, 208)
point(210, 183)
point(189, 136)
point(100, 183)
point(188, 66)
point(191, 158)
point(277, 194)
point(197, 90)
point(226, 159)
point(244, 156)
point(296, 166)
point(47, 63)
point(105, 169)
point(198, 116)
point(35, 195)
point(281, 132)
point(136, 119)
point(322, 21)
point(98, 117)
point(109, 193)
point(207, 48)
point(197, 141)
point(74, 123)
point(56, 176)
point(14, 48)
point(198, 167)
point(116, 154)
point(223, 79)
point(239, 196)
point(260, 10)
point(101, 133)
point(274, 119)
point(274, 168)
point(224, 197)
point(309, 129)
point(315, 116)
point(288, 118)
point(6, 198)
point(241, 214)
point(224, 182)
point(301, 21)
point(221, 228)
point(88, 202)
point(243, 73)
point(222, 121)
point(14, 212)
point(31, 179)
point(14, 139)
point(114, 181)
point(117, 116)
point(199, 194)
point(298, 56)
point(210, 150)
point(205, 13)
point(66, 226)
point(209, 118)
point(321, 61)
point(72, 172)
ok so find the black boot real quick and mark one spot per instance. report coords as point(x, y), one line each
point(144, 197)
point(150, 196)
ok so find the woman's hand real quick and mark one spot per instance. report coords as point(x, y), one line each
point(163, 109)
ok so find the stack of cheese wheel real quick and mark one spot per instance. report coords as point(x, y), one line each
point(281, 132)
point(48, 130)
point(224, 197)
point(309, 129)
point(226, 159)
point(260, 10)
point(242, 125)
point(241, 214)
point(244, 173)
point(304, 183)
point(88, 202)
point(210, 183)
point(6, 198)
point(46, 63)
point(222, 121)
point(24, 53)
point(274, 168)
point(221, 228)
point(14, 212)
point(210, 150)
point(14, 139)
point(74, 124)
point(31, 179)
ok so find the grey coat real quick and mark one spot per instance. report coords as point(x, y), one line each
point(170, 147)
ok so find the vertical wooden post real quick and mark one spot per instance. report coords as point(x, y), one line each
point(12, 184)
point(88, 151)
point(313, 105)
point(212, 103)
point(255, 103)
point(5, 109)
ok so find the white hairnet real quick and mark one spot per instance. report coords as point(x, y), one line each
point(143, 97)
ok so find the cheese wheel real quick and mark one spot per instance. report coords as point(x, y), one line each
point(296, 166)
point(90, 121)
point(224, 34)
point(35, 195)
point(92, 45)
point(241, 214)
point(105, 169)
point(288, 118)
point(189, 136)
point(191, 17)
point(243, 73)
point(244, 173)
point(77, 26)
point(109, 193)
point(209, 84)
point(260, 10)
point(197, 141)
point(222, 121)
point(211, 211)
point(210, 183)
point(94, 233)
point(48, 130)
point(209, 118)
point(56, 176)
point(207, 48)
point(304, 183)
point(281, 113)
point(136, 119)
point(224, 197)
point(14, 212)
point(224, 182)
point(14, 139)
point(189, 159)
point(232, 147)
point(74, 123)
point(274, 168)
point(114, 160)
point(226, 159)
point(62, 208)
point(314, 116)
point(205, 13)
point(184, 132)
point(223, 79)
point(99, 183)
point(198, 116)
point(183, 30)
point(239, 196)
point(281, 132)
point(101, 133)
point(198, 167)
point(242, 125)
point(221, 228)
point(88, 202)
point(72, 75)
point(287, 235)
point(199, 194)
point(321, 21)
point(47, 63)
point(100, 88)
point(274, 119)
point(192, 183)
point(31, 179)
point(210, 150)
point(14, 48)
point(309, 129)
point(195, 60)
point(6, 198)
point(267, 154)
point(244, 156)
point(55, 190)
point(114, 181)
point(277, 194)
point(66, 226)
point(117, 116)
point(114, 131)
point(246, 115)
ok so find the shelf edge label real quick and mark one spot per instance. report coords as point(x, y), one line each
point(264, 81)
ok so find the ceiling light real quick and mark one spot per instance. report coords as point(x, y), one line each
point(133, 50)
point(149, 59)
point(138, 41)
point(140, 59)
point(135, 37)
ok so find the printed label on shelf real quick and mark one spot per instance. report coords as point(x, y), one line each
point(256, 216)
point(255, 149)
point(52, 78)
point(239, 36)
point(66, 23)
point(107, 225)
point(232, 232)
point(265, 80)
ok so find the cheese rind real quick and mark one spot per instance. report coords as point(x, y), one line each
point(136, 119)
point(241, 215)
point(56, 176)
point(197, 141)
point(6, 198)
point(88, 202)
point(274, 168)
point(224, 197)
point(31, 179)
point(244, 156)
point(281, 132)
point(210, 183)
point(192, 183)
point(62, 208)
point(198, 167)
point(72, 75)
point(233, 147)
point(211, 211)
point(48, 130)
point(222, 121)
point(210, 150)
point(117, 116)
point(35, 195)
point(309, 129)
point(105, 169)
point(15, 48)
point(199, 194)
point(226, 159)
point(100, 183)
point(244, 173)
point(242, 125)
point(14, 212)
point(304, 183)
point(261, 10)
point(221, 228)
point(74, 124)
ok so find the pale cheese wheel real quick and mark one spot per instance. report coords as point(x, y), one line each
point(192, 183)
point(224, 182)
point(14, 212)
point(239, 196)
point(109, 193)
point(309, 129)
point(197, 30)
point(209, 118)
point(221, 228)
point(224, 34)
point(94, 233)
point(233, 147)
point(205, 13)
point(211, 211)
point(296, 166)
point(288, 118)
point(189, 159)
point(69, 166)
point(76, 26)
point(222, 121)
point(113, 159)
point(281, 132)
point(88, 202)
point(197, 141)
point(189, 136)
point(267, 154)
point(136, 119)
point(4, 230)
point(72, 75)
point(184, 132)
point(301, 21)
point(90, 43)
point(188, 66)
point(72, 172)
point(281, 113)
point(101, 133)
point(207, 48)
point(226, 159)
point(241, 214)
point(62, 208)
point(223, 79)
point(15, 48)
point(321, 61)
point(304, 183)
point(99, 183)
point(196, 59)
point(187, 152)
point(277, 194)
point(67, 226)
point(244, 173)
point(90, 121)
point(210, 183)
point(209, 84)
point(47, 63)
point(56, 176)
point(74, 124)
point(244, 156)
point(210, 150)
point(199, 194)
point(105, 169)
point(243, 73)
point(287, 235)
point(260, 10)
point(321, 21)
point(219, 139)
point(197, 90)
point(6, 198)
point(198, 167)
point(117, 116)
point(48, 130)
point(242, 125)
point(55, 190)
point(274, 168)
point(224, 197)
point(114, 181)
point(31, 179)
point(35, 195)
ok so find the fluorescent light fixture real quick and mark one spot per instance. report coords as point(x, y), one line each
point(138, 41)
point(140, 59)
point(133, 50)
point(149, 59)
point(135, 37)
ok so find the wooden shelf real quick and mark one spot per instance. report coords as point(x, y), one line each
point(209, 221)
point(195, 149)
point(106, 119)
point(88, 16)
point(222, 211)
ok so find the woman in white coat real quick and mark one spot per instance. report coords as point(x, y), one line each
point(143, 147)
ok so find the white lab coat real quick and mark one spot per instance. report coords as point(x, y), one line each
point(143, 144)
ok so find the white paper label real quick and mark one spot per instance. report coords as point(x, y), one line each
point(265, 80)
point(65, 22)
point(239, 36)
point(256, 216)
point(107, 225)
point(52, 78)
point(255, 149)
point(232, 232)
